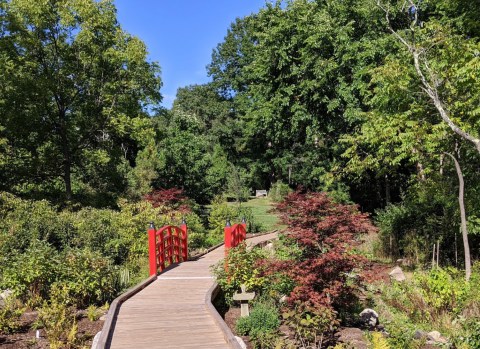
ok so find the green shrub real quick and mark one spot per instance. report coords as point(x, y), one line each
point(57, 317)
point(10, 314)
point(309, 323)
point(24, 221)
point(472, 330)
point(87, 277)
point(240, 267)
point(264, 318)
point(278, 191)
point(31, 274)
point(443, 289)
point(221, 211)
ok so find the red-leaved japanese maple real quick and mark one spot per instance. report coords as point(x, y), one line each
point(326, 232)
point(170, 199)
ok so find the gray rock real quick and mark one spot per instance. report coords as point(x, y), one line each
point(96, 339)
point(369, 317)
point(4, 295)
point(419, 334)
point(353, 337)
point(436, 337)
point(241, 342)
point(397, 274)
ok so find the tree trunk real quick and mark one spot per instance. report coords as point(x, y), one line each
point(468, 268)
point(67, 159)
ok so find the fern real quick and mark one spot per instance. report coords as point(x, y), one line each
point(378, 341)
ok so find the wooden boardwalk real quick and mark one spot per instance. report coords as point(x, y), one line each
point(171, 312)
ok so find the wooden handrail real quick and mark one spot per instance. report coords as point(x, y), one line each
point(169, 245)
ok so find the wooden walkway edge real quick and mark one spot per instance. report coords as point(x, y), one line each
point(172, 310)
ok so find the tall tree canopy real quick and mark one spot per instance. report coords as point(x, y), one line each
point(75, 94)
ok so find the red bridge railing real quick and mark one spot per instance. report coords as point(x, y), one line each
point(168, 244)
point(235, 234)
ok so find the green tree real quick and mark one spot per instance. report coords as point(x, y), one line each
point(77, 93)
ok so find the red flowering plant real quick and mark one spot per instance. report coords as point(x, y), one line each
point(326, 274)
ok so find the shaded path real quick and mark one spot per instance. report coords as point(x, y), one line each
point(172, 312)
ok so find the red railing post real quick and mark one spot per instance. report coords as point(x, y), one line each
point(176, 244)
point(228, 235)
point(152, 250)
point(170, 245)
point(244, 225)
point(161, 250)
point(184, 240)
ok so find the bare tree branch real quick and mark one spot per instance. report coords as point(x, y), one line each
point(430, 87)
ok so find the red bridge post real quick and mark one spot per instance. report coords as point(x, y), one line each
point(184, 239)
point(228, 235)
point(152, 249)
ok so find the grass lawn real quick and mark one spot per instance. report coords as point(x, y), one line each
point(260, 208)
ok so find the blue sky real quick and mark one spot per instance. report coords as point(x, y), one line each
point(181, 34)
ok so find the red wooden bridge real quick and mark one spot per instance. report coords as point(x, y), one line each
point(173, 309)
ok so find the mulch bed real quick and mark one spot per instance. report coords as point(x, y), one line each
point(25, 338)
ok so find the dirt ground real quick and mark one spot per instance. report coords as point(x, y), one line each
point(25, 338)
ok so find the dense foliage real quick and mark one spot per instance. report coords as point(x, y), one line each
point(358, 99)
point(326, 232)
point(314, 267)
point(440, 299)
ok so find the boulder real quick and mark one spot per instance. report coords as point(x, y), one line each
point(397, 274)
point(353, 337)
point(4, 295)
point(369, 318)
point(419, 334)
point(436, 337)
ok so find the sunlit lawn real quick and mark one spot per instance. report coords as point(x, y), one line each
point(260, 208)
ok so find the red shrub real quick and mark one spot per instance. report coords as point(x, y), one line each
point(170, 199)
point(326, 231)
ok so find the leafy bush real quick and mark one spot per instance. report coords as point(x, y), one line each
point(263, 318)
point(10, 313)
point(35, 235)
point(87, 277)
point(221, 211)
point(278, 191)
point(409, 229)
point(310, 322)
point(240, 267)
point(57, 317)
point(31, 274)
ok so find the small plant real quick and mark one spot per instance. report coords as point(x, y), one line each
point(10, 314)
point(309, 322)
point(240, 267)
point(378, 341)
point(93, 313)
point(57, 318)
point(278, 191)
point(264, 318)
